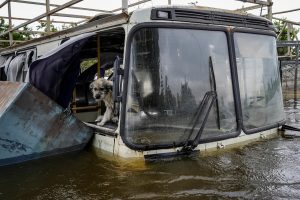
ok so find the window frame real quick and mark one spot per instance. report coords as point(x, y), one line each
point(269, 126)
point(233, 72)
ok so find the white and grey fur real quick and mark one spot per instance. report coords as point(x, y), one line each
point(102, 91)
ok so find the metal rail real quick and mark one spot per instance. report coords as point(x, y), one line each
point(4, 3)
point(55, 5)
point(128, 6)
point(53, 21)
point(287, 11)
point(288, 21)
point(53, 12)
point(68, 4)
point(124, 8)
point(265, 3)
point(249, 8)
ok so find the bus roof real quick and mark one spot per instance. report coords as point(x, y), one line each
point(188, 14)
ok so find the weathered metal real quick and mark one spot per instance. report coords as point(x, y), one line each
point(93, 26)
point(33, 126)
point(70, 3)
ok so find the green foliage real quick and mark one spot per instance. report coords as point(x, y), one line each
point(3, 25)
point(87, 63)
point(84, 65)
point(22, 36)
point(281, 28)
point(43, 27)
point(67, 26)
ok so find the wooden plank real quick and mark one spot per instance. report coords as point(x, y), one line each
point(249, 8)
point(85, 108)
point(265, 3)
point(72, 15)
point(48, 16)
point(53, 21)
point(56, 5)
point(10, 23)
point(124, 5)
point(68, 4)
point(112, 21)
point(16, 41)
point(287, 11)
point(131, 5)
point(26, 31)
point(4, 3)
point(289, 21)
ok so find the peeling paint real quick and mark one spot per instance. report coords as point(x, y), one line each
point(31, 123)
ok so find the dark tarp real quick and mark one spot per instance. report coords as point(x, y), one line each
point(55, 73)
point(2, 68)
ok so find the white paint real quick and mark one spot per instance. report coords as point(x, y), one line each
point(46, 47)
point(118, 148)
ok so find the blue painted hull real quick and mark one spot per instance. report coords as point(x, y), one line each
point(33, 126)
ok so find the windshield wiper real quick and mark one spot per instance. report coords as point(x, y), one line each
point(213, 84)
point(200, 115)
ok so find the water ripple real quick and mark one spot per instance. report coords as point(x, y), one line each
point(202, 178)
point(201, 192)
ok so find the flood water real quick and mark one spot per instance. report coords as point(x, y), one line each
point(264, 170)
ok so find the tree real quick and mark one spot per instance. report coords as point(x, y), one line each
point(282, 29)
point(67, 26)
point(22, 36)
point(43, 27)
point(16, 35)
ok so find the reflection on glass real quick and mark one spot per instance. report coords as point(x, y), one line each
point(169, 76)
point(259, 80)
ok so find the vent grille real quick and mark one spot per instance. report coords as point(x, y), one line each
point(192, 15)
point(215, 17)
point(212, 17)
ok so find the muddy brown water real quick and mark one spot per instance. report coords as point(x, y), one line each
point(263, 170)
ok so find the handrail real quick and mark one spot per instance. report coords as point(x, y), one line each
point(69, 4)
point(42, 16)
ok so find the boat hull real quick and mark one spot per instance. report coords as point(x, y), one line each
point(33, 126)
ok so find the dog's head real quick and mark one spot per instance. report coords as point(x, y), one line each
point(100, 88)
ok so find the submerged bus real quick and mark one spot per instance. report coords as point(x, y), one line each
point(185, 78)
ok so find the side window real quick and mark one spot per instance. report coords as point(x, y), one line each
point(256, 59)
point(91, 102)
point(17, 69)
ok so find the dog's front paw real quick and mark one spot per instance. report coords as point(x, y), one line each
point(99, 118)
point(100, 123)
point(115, 120)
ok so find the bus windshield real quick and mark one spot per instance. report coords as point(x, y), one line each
point(169, 74)
point(259, 80)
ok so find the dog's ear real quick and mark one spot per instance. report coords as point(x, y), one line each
point(109, 85)
point(92, 85)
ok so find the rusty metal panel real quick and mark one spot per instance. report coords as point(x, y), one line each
point(8, 93)
point(33, 126)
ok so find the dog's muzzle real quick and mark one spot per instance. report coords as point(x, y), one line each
point(97, 96)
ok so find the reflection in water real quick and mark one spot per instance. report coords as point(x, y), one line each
point(264, 170)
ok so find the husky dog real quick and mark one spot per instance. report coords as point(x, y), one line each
point(102, 91)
